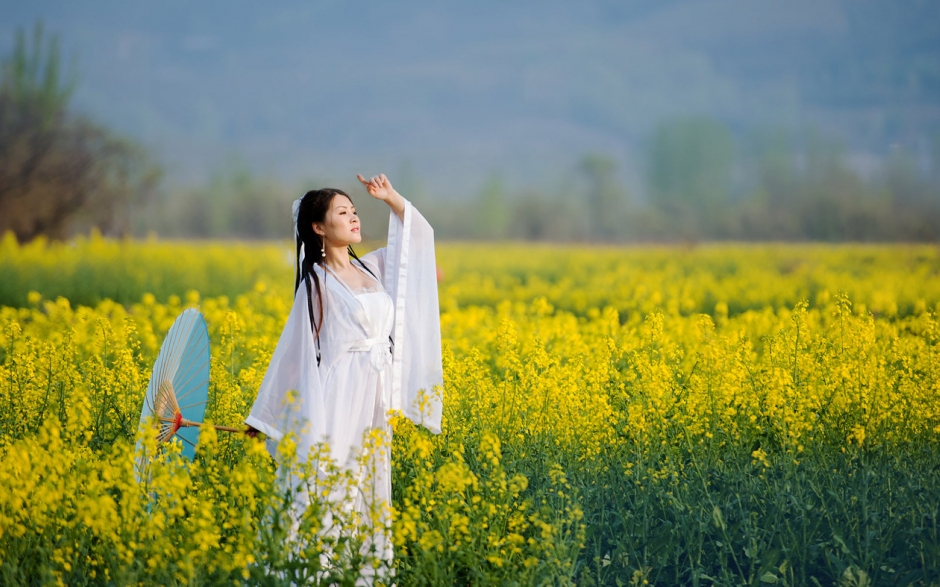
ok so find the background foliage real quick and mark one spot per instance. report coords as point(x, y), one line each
point(701, 183)
point(697, 178)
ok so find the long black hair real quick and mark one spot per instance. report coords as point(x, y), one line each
point(313, 208)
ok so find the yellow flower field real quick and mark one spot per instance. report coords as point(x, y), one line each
point(719, 415)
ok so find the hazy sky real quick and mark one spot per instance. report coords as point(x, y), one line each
point(457, 91)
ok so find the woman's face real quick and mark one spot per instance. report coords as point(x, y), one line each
point(340, 227)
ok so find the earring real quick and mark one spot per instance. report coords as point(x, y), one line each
point(322, 251)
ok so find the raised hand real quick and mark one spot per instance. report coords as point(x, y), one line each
point(379, 187)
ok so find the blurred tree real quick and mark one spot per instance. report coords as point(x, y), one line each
point(913, 197)
point(814, 194)
point(833, 202)
point(935, 155)
point(59, 170)
point(605, 198)
point(492, 214)
point(903, 181)
point(689, 170)
point(535, 218)
point(259, 208)
point(776, 168)
point(234, 204)
point(768, 212)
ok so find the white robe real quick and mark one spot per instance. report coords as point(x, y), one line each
point(358, 380)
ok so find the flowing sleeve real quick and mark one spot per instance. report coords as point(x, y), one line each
point(409, 271)
point(293, 367)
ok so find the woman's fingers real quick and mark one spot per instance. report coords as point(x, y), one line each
point(370, 183)
point(375, 184)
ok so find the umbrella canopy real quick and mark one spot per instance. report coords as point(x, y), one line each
point(179, 385)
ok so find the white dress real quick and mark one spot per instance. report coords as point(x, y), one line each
point(380, 350)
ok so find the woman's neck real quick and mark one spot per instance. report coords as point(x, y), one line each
point(337, 258)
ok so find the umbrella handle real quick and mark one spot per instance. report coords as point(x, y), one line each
point(227, 428)
point(189, 423)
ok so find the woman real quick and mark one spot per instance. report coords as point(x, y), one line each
point(363, 337)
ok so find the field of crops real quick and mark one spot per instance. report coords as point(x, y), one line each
point(717, 415)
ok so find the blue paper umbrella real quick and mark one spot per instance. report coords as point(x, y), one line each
point(179, 385)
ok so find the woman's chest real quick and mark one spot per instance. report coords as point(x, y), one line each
point(352, 315)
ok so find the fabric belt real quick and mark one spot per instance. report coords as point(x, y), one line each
point(379, 350)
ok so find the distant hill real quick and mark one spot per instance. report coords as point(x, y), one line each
point(455, 91)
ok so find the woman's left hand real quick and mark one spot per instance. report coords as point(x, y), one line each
point(379, 187)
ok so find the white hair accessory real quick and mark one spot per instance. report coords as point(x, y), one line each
point(295, 211)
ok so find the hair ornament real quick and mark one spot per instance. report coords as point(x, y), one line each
point(295, 212)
